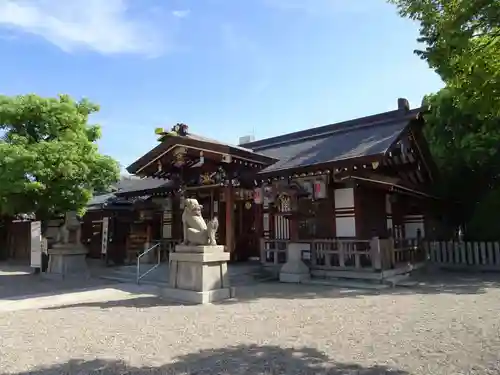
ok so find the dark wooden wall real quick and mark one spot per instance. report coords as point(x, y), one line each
point(370, 211)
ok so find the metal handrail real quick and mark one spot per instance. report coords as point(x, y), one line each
point(139, 276)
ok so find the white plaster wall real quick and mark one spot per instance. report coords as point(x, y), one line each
point(411, 228)
point(345, 221)
point(344, 198)
point(346, 226)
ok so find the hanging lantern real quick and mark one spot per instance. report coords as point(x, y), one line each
point(268, 195)
point(319, 189)
point(308, 187)
point(257, 195)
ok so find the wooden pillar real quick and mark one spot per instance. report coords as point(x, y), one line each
point(211, 210)
point(258, 212)
point(148, 235)
point(293, 219)
point(229, 198)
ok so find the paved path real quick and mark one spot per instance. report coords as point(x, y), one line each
point(100, 294)
point(273, 329)
point(18, 281)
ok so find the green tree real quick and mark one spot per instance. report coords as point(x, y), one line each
point(465, 147)
point(461, 42)
point(49, 161)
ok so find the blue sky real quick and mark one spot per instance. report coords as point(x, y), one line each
point(226, 68)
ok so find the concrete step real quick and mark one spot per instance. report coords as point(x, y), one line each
point(347, 283)
point(128, 277)
point(408, 283)
point(397, 280)
point(145, 281)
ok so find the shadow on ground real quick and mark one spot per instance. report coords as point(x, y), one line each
point(426, 284)
point(237, 360)
point(137, 303)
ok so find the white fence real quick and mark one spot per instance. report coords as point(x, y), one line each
point(480, 255)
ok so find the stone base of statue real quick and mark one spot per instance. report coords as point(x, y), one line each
point(198, 275)
point(67, 261)
point(295, 270)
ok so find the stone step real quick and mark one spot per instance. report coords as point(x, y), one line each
point(408, 283)
point(347, 283)
point(127, 277)
point(397, 280)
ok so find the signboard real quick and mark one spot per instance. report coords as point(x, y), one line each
point(36, 244)
point(319, 189)
point(104, 238)
point(167, 224)
point(268, 195)
point(305, 255)
point(257, 195)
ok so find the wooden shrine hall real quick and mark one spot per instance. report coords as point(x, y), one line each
point(350, 181)
point(216, 175)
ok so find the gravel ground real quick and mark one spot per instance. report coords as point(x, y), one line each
point(273, 329)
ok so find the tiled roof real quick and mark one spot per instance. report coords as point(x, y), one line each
point(209, 140)
point(129, 186)
point(101, 199)
point(193, 140)
point(366, 136)
point(140, 184)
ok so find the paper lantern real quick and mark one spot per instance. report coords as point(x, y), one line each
point(257, 195)
point(268, 194)
point(319, 189)
point(308, 187)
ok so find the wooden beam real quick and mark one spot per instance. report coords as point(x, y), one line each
point(229, 198)
point(399, 168)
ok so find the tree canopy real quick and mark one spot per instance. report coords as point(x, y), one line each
point(461, 41)
point(49, 160)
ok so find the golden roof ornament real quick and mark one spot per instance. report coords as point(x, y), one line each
point(178, 130)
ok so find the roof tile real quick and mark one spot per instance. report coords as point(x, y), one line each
point(331, 143)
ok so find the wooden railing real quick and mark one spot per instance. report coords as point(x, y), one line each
point(274, 251)
point(468, 254)
point(341, 254)
point(408, 251)
point(348, 254)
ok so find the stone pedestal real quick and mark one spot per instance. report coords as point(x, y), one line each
point(67, 261)
point(295, 270)
point(198, 274)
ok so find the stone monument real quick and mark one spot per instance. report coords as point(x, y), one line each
point(67, 255)
point(198, 267)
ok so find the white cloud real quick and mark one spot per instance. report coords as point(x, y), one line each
point(181, 13)
point(104, 26)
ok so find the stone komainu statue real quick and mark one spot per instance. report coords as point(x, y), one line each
point(195, 230)
point(71, 225)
